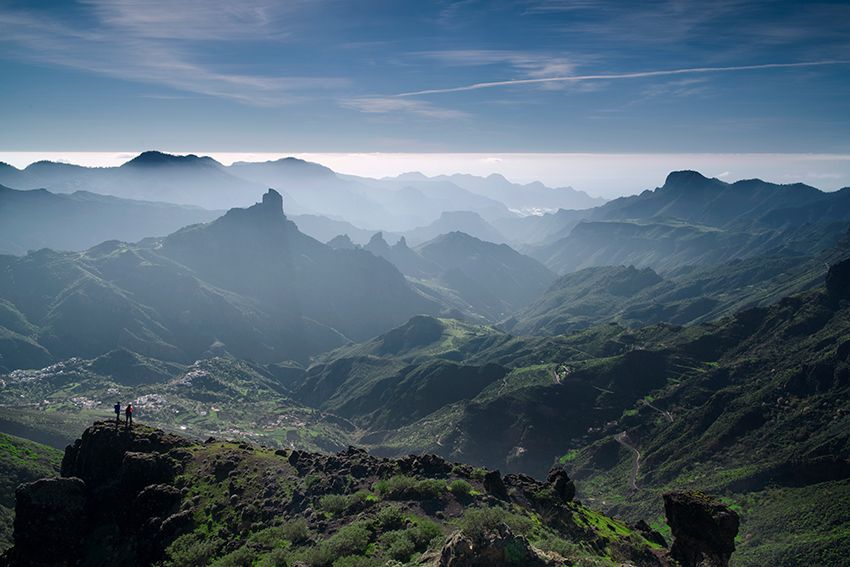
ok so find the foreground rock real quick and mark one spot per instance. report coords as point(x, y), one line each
point(143, 497)
point(703, 529)
point(495, 548)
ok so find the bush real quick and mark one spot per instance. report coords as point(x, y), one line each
point(338, 504)
point(460, 488)
point(238, 558)
point(401, 544)
point(350, 540)
point(189, 550)
point(476, 521)
point(402, 487)
point(423, 532)
point(398, 545)
point(333, 503)
point(275, 558)
point(295, 531)
point(389, 518)
point(358, 561)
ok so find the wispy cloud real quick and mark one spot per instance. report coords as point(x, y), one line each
point(395, 105)
point(195, 19)
point(138, 42)
point(619, 76)
point(530, 64)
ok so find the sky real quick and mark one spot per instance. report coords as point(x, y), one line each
point(540, 78)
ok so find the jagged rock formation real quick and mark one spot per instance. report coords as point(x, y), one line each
point(703, 529)
point(143, 496)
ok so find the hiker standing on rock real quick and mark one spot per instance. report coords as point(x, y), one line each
point(117, 410)
point(128, 415)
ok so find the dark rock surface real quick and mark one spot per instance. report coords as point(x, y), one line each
point(838, 280)
point(703, 529)
point(50, 521)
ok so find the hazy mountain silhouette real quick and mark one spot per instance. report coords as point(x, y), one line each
point(695, 220)
point(467, 222)
point(35, 219)
point(248, 281)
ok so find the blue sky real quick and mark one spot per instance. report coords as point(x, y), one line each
point(404, 76)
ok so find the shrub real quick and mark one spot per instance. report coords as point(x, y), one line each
point(238, 558)
point(389, 518)
point(476, 521)
point(190, 550)
point(460, 488)
point(275, 558)
point(358, 561)
point(333, 503)
point(295, 531)
point(402, 487)
point(401, 544)
point(338, 504)
point(423, 532)
point(398, 545)
point(349, 540)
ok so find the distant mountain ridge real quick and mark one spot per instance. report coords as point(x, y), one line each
point(480, 278)
point(248, 283)
point(311, 189)
point(37, 218)
point(692, 219)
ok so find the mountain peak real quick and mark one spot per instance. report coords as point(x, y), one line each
point(273, 201)
point(154, 158)
point(685, 177)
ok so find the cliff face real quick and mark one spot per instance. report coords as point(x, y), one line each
point(143, 496)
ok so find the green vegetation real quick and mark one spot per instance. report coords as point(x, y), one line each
point(402, 487)
point(20, 461)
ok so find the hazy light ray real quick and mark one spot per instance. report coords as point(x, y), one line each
point(620, 76)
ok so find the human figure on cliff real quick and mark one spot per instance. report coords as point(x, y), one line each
point(128, 416)
point(117, 410)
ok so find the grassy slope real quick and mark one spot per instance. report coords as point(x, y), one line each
point(20, 461)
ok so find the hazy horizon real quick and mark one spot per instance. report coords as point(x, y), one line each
point(598, 174)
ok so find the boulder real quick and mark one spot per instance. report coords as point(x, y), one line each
point(495, 486)
point(703, 529)
point(561, 483)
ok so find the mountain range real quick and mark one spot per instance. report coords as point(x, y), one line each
point(310, 189)
point(689, 337)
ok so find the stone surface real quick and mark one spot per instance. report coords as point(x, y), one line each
point(703, 529)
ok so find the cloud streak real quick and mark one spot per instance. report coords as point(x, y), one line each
point(131, 41)
point(620, 76)
point(394, 105)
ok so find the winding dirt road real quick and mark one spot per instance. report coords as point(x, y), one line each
point(623, 439)
point(665, 413)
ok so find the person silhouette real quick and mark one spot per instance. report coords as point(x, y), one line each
point(128, 416)
point(117, 410)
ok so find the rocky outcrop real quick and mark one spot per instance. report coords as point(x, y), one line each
point(494, 548)
point(111, 476)
point(703, 529)
point(127, 495)
point(50, 521)
point(561, 483)
point(495, 486)
point(838, 280)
